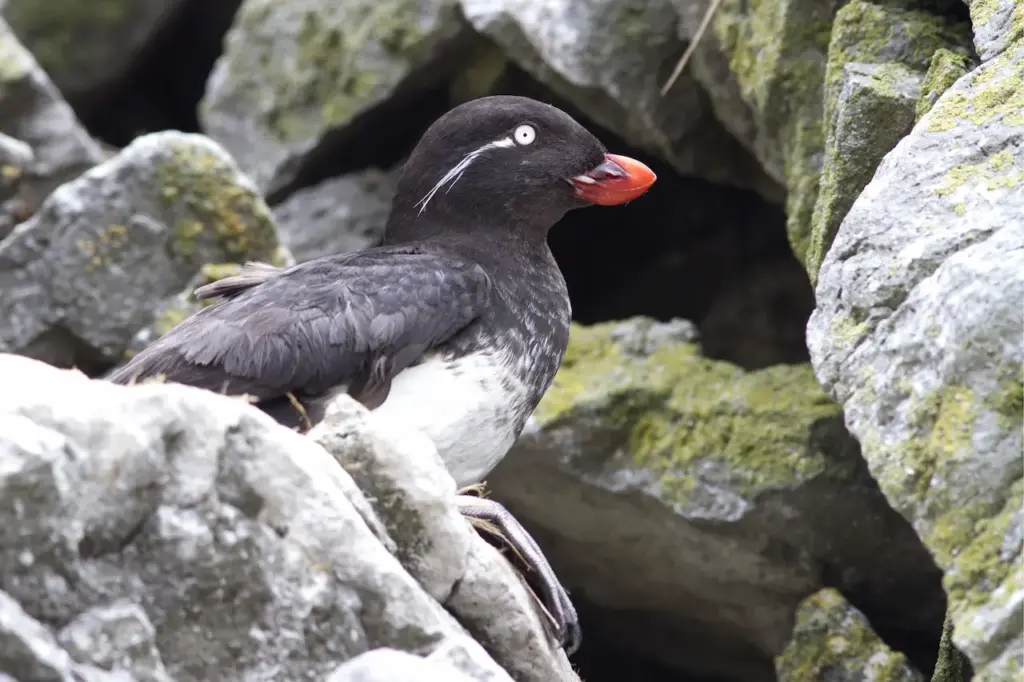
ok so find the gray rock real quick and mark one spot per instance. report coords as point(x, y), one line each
point(608, 58)
point(293, 73)
point(15, 158)
point(85, 273)
point(946, 69)
point(404, 478)
point(118, 636)
point(391, 665)
point(733, 491)
point(874, 110)
point(339, 215)
point(172, 533)
point(33, 111)
point(833, 641)
point(28, 651)
point(998, 24)
point(918, 334)
point(85, 47)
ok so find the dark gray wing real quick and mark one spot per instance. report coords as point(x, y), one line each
point(354, 320)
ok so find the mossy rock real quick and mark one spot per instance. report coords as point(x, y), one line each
point(833, 641)
point(86, 45)
point(681, 415)
point(946, 68)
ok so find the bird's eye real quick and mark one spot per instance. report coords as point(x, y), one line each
point(525, 134)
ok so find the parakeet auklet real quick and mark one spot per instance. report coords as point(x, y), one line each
point(455, 325)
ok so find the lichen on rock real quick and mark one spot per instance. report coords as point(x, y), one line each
point(833, 641)
point(947, 68)
point(294, 72)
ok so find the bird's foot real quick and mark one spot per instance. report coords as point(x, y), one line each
point(496, 521)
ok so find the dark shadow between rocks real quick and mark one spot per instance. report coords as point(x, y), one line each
point(163, 89)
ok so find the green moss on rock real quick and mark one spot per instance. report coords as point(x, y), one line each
point(218, 213)
point(53, 29)
point(832, 640)
point(674, 411)
point(946, 68)
point(777, 51)
point(996, 91)
point(950, 666)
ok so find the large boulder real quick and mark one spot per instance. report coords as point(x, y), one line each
point(917, 333)
point(294, 74)
point(88, 270)
point(33, 112)
point(160, 532)
point(701, 503)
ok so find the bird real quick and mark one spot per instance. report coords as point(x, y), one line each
point(455, 324)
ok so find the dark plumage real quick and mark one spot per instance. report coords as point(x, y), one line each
point(456, 324)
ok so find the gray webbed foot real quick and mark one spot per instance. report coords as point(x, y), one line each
point(493, 518)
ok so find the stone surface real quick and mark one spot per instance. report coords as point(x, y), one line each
point(86, 46)
point(946, 69)
point(33, 112)
point(766, 66)
point(391, 665)
point(294, 73)
point(833, 641)
point(734, 493)
point(917, 334)
point(170, 533)
point(609, 59)
point(15, 158)
point(339, 215)
point(873, 111)
point(404, 477)
point(998, 24)
point(86, 272)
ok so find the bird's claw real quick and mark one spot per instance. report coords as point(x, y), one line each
point(493, 518)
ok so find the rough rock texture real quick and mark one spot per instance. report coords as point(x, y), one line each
point(946, 69)
point(15, 158)
point(339, 215)
point(169, 532)
point(105, 36)
point(609, 58)
point(833, 641)
point(33, 111)
point(292, 73)
point(392, 665)
point(918, 334)
point(85, 273)
point(738, 494)
point(765, 66)
point(998, 25)
point(874, 110)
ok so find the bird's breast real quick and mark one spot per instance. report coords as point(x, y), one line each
point(471, 406)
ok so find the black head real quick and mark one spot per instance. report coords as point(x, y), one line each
point(510, 164)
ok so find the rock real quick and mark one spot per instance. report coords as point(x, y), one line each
point(294, 73)
point(116, 636)
point(734, 492)
point(85, 273)
point(391, 665)
point(244, 546)
point(833, 641)
point(569, 47)
point(947, 68)
point(766, 67)
point(404, 477)
point(874, 110)
point(917, 333)
point(33, 112)
point(28, 650)
point(86, 47)
point(998, 25)
point(339, 215)
point(15, 158)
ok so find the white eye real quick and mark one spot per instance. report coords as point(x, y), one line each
point(525, 134)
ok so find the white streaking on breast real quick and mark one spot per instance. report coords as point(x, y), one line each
point(464, 406)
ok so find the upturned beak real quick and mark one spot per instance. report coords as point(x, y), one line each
point(617, 180)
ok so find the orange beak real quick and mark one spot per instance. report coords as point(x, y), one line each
point(618, 180)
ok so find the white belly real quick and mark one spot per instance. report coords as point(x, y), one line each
point(463, 406)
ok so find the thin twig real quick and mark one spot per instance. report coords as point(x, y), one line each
point(704, 23)
point(300, 409)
